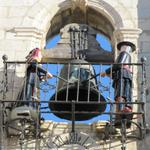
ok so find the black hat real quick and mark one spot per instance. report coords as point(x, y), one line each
point(119, 45)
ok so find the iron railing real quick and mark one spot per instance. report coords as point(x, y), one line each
point(49, 87)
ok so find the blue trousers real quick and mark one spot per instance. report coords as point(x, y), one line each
point(31, 86)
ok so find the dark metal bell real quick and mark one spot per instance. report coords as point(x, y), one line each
point(79, 89)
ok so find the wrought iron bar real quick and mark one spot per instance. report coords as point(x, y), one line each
point(73, 116)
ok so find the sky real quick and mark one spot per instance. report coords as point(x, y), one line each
point(105, 44)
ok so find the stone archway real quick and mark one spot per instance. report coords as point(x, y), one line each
point(43, 17)
point(88, 15)
point(49, 19)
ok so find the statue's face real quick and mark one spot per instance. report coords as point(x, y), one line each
point(126, 48)
point(35, 55)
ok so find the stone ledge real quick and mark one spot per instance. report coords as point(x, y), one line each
point(27, 32)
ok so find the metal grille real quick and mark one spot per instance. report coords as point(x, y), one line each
point(81, 77)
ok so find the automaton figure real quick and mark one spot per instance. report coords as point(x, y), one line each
point(34, 75)
point(23, 114)
point(121, 73)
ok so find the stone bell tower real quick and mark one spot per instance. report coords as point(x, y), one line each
point(27, 24)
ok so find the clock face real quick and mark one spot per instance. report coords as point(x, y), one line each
point(72, 140)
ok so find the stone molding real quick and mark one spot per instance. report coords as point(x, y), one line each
point(127, 34)
point(30, 32)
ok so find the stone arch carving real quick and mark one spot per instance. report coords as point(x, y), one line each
point(108, 11)
point(39, 9)
point(41, 14)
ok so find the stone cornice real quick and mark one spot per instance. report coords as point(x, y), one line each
point(127, 33)
point(27, 32)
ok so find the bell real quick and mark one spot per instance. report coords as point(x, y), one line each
point(74, 85)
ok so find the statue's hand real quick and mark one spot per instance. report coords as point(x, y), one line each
point(103, 74)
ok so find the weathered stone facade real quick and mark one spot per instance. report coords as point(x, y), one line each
point(27, 24)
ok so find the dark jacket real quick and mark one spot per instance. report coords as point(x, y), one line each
point(33, 67)
point(121, 71)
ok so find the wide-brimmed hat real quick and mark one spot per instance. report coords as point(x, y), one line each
point(127, 43)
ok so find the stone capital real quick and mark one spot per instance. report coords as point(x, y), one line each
point(127, 34)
